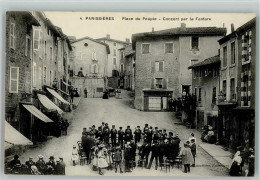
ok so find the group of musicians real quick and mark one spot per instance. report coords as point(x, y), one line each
point(103, 146)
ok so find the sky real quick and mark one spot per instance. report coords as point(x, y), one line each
point(122, 26)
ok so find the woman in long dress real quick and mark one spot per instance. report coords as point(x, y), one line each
point(75, 155)
point(236, 164)
point(101, 162)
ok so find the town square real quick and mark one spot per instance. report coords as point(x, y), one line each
point(154, 100)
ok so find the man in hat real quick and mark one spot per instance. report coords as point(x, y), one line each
point(15, 161)
point(149, 134)
point(128, 134)
point(146, 128)
point(155, 154)
point(145, 151)
point(84, 132)
point(113, 133)
point(51, 165)
point(62, 164)
point(40, 164)
point(160, 136)
point(138, 133)
point(59, 168)
point(30, 163)
point(102, 125)
point(156, 135)
point(99, 134)
point(164, 134)
point(106, 132)
point(121, 136)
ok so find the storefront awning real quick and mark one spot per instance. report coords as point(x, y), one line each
point(55, 94)
point(14, 137)
point(48, 104)
point(66, 83)
point(32, 109)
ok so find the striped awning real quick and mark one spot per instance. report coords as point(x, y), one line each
point(63, 92)
point(48, 104)
point(37, 113)
point(14, 137)
point(55, 94)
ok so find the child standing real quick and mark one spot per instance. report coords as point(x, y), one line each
point(187, 158)
point(193, 150)
point(118, 159)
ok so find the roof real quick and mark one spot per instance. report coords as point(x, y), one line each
point(129, 50)
point(64, 36)
point(210, 61)
point(53, 28)
point(94, 40)
point(181, 31)
point(245, 26)
point(27, 15)
point(113, 40)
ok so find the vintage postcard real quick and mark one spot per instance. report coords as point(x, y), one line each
point(130, 94)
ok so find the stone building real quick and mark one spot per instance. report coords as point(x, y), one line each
point(90, 66)
point(237, 86)
point(127, 67)
point(162, 61)
point(205, 87)
point(19, 36)
point(113, 62)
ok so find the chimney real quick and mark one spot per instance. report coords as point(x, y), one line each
point(127, 40)
point(232, 28)
point(183, 26)
point(152, 29)
point(108, 36)
point(223, 25)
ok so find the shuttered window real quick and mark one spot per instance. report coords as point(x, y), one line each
point(34, 74)
point(159, 83)
point(168, 48)
point(14, 79)
point(12, 35)
point(36, 39)
point(159, 66)
point(145, 48)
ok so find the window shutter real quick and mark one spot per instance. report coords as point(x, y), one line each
point(152, 66)
point(92, 68)
point(164, 83)
point(97, 68)
point(152, 83)
point(161, 66)
point(14, 79)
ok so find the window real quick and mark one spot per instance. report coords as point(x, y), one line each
point(193, 61)
point(233, 53)
point(14, 79)
point(51, 53)
point(122, 68)
point(45, 48)
point(214, 95)
point(114, 61)
point(95, 68)
point(122, 55)
point(50, 77)
point(159, 66)
point(225, 56)
point(232, 89)
point(12, 35)
point(36, 39)
point(195, 42)
point(94, 56)
point(100, 89)
point(27, 46)
point(246, 90)
point(34, 74)
point(145, 48)
point(195, 92)
point(158, 83)
point(114, 44)
point(199, 98)
point(168, 48)
point(114, 52)
point(224, 88)
point(45, 75)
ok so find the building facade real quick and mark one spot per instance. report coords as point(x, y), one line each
point(162, 61)
point(91, 63)
point(205, 87)
point(237, 79)
point(113, 61)
point(127, 68)
point(19, 38)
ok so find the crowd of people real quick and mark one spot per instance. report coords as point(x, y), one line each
point(40, 167)
point(117, 148)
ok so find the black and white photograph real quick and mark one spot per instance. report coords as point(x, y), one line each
point(129, 94)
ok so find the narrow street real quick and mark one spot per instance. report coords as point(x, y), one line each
point(93, 111)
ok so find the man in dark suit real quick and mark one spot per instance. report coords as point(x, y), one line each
point(30, 163)
point(155, 154)
point(128, 134)
point(113, 133)
point(121, 137)
point(138, 133)
point(41, 165)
